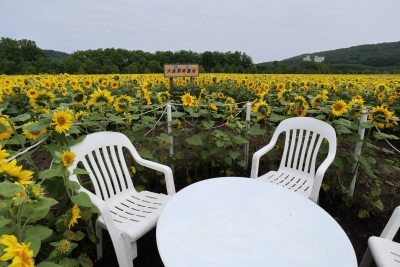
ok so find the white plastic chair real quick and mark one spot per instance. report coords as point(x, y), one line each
point(383, 250)
point(125, 213)
point(297, 167)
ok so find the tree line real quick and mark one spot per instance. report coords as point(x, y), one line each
point(24, 57)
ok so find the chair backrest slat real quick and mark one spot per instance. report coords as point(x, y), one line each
point(97, 187)
point(104, 175)
point(299, 145)
point(97, 176)
point(304, 150)
point(285, 150)
point(113, 168)
point(125, 177)
point(310, 150)
point(315, 154)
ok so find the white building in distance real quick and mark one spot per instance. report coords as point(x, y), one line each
point(319, 59)
point(316, 58)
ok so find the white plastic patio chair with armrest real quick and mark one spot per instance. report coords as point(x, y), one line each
point(383, 250)
point(125, 213)
point(297, 167)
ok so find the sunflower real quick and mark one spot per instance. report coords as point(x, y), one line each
point(213, 107)
point(188, 100)
point(381, 117)
point(284, 96)
point(104, 83)
point(202, 91)
point(34, 191)
point(79, 99)
point(64, 246)
point(280, 87)
point(318, 101)
point(356, 105)
point(80, 114)
point(67, 158)
point(299, 107)
point(32, 135)
point(339, 108)
point(176, 124)
point(213, 95)
point(146, 96)
point(392, 99)
point(62, 120)
point(123, 103)
point(42, 99)
point(381, 96)
point(380, 88)
point(102, 96)
point(64, 91)
point(114, 85)
point(74, 83)
point(3, 154)
point(230, 103)
point(47, 84)
point(32, 93)
point(7, 134)
point(250, 85)
point(257, 91)
point(229, 118)
point(163, 142)
point(263, 108)
point(163, 97)
point(220, 95)
point(87, 83)
point(75, 215)
point(133, 169)
point(19, 253)
point(11, 171)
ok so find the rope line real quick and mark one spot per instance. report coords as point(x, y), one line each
point(27, 149)
point(398, 151)
point(162, 115)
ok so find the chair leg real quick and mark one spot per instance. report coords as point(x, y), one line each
point(134, 250)
point(99, 234)
point(367, 259)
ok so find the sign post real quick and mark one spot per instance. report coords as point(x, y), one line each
point(180, 70)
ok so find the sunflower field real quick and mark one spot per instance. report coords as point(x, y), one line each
point(43, 222)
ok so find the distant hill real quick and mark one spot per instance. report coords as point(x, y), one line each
point(372, 55)
point(55, 55)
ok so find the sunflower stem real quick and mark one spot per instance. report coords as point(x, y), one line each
point(19, 219)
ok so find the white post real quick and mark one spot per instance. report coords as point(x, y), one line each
point(246, 146)
point(357, 151)
point(171, 139)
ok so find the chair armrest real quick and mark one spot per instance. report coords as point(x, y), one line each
point(169, 178)
point(392, 225)
point(256, 158)
point(96, 201)
point(319, 176)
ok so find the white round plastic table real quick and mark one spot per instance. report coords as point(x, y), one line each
point(234, 221)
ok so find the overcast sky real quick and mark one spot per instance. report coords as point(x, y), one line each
point(266, 30)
